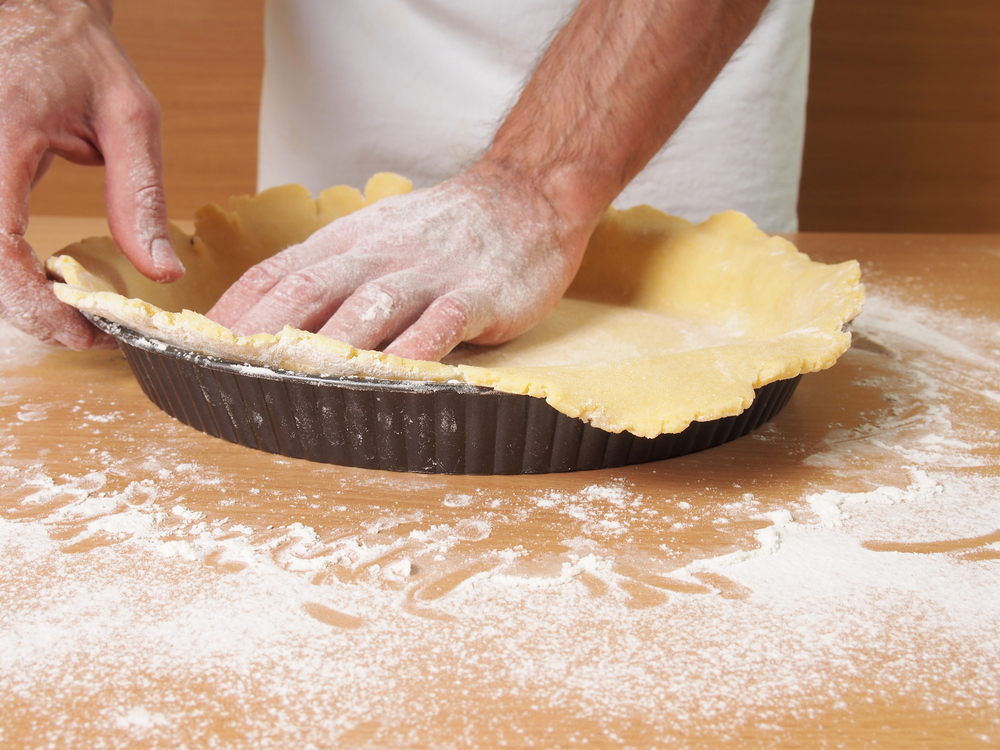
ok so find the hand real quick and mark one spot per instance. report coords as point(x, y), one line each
point(483, 257)
point(478, 258)
point(68, 89)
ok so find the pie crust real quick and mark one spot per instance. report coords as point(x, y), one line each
point(665, 324)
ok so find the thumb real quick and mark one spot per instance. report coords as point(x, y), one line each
point(128, 134)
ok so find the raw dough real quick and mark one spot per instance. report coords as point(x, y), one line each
point(666, 323)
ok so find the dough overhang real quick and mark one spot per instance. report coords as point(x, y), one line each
point(666, 322)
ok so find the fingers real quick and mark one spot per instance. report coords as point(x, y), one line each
point(26, 298)
point(380, 310)
point(27, 301)
point(302, 299)
point(334, 300)
point(128, 131)
point(248, 291)
point(448, 322)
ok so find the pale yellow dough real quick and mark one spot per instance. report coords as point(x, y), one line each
point(666, 323)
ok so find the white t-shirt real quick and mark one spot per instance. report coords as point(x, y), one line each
point(419, 87)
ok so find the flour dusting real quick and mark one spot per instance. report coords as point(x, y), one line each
point(349, 607)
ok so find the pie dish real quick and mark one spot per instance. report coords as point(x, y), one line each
point(667, 326)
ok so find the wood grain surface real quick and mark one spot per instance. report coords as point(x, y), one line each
point(903, 122)
point(160, 587)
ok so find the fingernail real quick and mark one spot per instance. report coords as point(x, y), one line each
point(164, 257)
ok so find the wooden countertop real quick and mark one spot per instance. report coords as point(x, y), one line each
point(833, 579)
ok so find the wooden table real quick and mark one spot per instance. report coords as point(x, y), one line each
point(831, 580)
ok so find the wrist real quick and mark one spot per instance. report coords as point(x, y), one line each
point(573, 203)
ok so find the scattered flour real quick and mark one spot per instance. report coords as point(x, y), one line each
point(133, 615)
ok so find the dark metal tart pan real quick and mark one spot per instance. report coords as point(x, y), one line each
point(436, 428)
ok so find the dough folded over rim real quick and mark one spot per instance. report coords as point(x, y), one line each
point(666, 322)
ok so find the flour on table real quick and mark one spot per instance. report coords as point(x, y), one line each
point(397, 621)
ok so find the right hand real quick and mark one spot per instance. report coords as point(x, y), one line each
point(68, 89)
point(481, 257)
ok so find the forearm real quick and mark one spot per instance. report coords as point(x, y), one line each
point(613, 86)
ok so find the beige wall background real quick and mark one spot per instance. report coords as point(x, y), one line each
point(903, 126)
point(203, 61)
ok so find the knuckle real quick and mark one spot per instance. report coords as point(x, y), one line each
point(377, 289)
point(303, 285)
point(262, 277)
point(151, 198)
point(138, 106)
point(457, 307)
